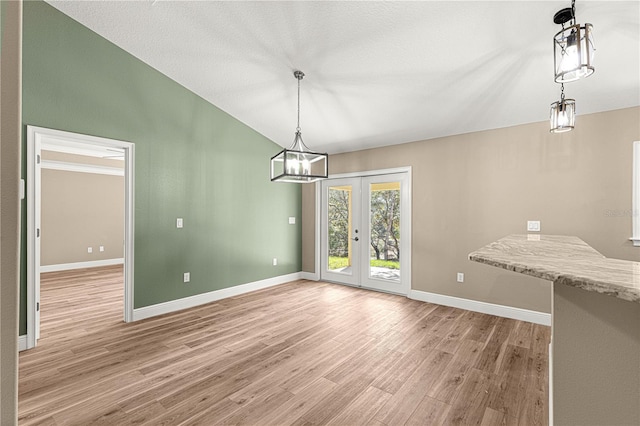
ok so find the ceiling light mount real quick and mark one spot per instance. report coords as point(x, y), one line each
point(563, 16)
point(298, 164)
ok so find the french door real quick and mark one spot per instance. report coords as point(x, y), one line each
point(365, 232)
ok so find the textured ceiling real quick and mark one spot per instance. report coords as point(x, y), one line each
point(377, 73)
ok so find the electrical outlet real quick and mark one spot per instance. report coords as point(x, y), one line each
point(533, 225)
point(292, 220)
point(275, 261)
point(89, 249)
point(187, 277)
point(179, 222)
point(101, 249)
point(460, 277)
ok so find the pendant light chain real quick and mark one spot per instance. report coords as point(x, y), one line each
point(562, 92)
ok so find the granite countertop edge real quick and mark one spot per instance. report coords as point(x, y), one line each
point(573, 263)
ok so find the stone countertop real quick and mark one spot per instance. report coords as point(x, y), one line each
point(564, 260)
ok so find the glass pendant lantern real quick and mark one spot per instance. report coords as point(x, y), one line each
point(572, 47)
point(298, 164)
point(563, 114)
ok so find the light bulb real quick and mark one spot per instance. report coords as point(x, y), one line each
point(306, 167)
point(570, 57)
point(293, 164)
point(563, 120)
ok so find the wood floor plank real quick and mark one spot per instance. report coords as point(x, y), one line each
point(299, 353)
point(541, 337)
point(296, 407)
point(279, 374)
point(351, 385)
point(205, 416)
point(258, 407)
point(492, 418)
point(473, 398)
point(512, 379)
point(534, 392)
point(429, 412)
point(362, 409)
point(496, 346)
point(481, 325)
point(404, 402)
point(450, 382)
point(396, 376)
point(311, 371)
point(521, 335)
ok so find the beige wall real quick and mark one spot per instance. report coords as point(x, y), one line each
point(81, 210)
point(10, 125)
point(471, 189)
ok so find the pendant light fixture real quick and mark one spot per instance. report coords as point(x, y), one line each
point(563, 114)
point(297, 164)
point(572, 47)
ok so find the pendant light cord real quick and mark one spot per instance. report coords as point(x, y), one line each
point(299, 75)
point(298, 128)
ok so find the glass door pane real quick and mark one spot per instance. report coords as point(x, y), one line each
point(341, 238)
point(386, 226)
point(340, 228)
point(384, 231)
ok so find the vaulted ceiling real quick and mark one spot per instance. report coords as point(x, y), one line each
point(377, 73)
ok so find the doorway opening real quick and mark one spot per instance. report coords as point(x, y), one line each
point(70, 154)
point(366, 231)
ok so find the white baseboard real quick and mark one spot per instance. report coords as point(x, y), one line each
point(22, 342)
point(483, 307)
point(212, 296)
point(81, 265)
point(312, 276)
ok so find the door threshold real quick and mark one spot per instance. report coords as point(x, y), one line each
point(364, 288)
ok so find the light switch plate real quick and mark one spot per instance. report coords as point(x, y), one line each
point(187, 277)
point(179, 222)
point(275, 261)
point(533, 225)
point(89, 249)
point(292, 220)
point(460, 277)
point(101, 249)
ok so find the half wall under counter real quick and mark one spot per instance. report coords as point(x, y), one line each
point(595, 349)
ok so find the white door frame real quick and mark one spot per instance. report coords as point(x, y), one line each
point(36, 136)
point(406, 266)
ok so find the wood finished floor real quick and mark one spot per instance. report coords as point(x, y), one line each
point(302, 353)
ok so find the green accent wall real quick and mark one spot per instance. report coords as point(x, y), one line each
point(192, 160)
